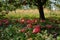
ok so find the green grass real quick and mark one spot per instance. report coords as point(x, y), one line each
point(33, 14)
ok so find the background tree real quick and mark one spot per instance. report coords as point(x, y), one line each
point(15, 4)
point(40, 4)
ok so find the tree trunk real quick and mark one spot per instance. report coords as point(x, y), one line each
point(40, 4)
point(41, 12)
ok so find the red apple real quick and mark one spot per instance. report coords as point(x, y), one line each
point(49, 26)
point(34, 21)
point(22, 20)
point(4, 20)
point(29, 25)
point(29, 21)
point(23, 30)
point(7, 22)
point(36, 30)
point(42, 20)
point(37, 26)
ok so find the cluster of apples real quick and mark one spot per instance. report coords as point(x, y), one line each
point(28, 21)
point(36, 27)
point(4, 22)
point(35, 30)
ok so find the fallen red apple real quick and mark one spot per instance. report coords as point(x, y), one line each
point(29, 21)
point(22, 20)
point(4, 20)
point(37, 26)
point(29, 25)
point(34, 21)
point(23, 30)
point(36, 30)
point(49, 26)
point(42, 20)
point(7, 22)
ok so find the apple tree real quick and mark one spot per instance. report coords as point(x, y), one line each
point(40, 4)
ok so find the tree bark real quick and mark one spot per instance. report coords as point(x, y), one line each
point(41, 12)
point(40, 4)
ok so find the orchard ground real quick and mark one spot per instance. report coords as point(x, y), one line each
point(35, 12)
point(25, 25)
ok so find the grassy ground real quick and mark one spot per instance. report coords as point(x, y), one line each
point(33, 13)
